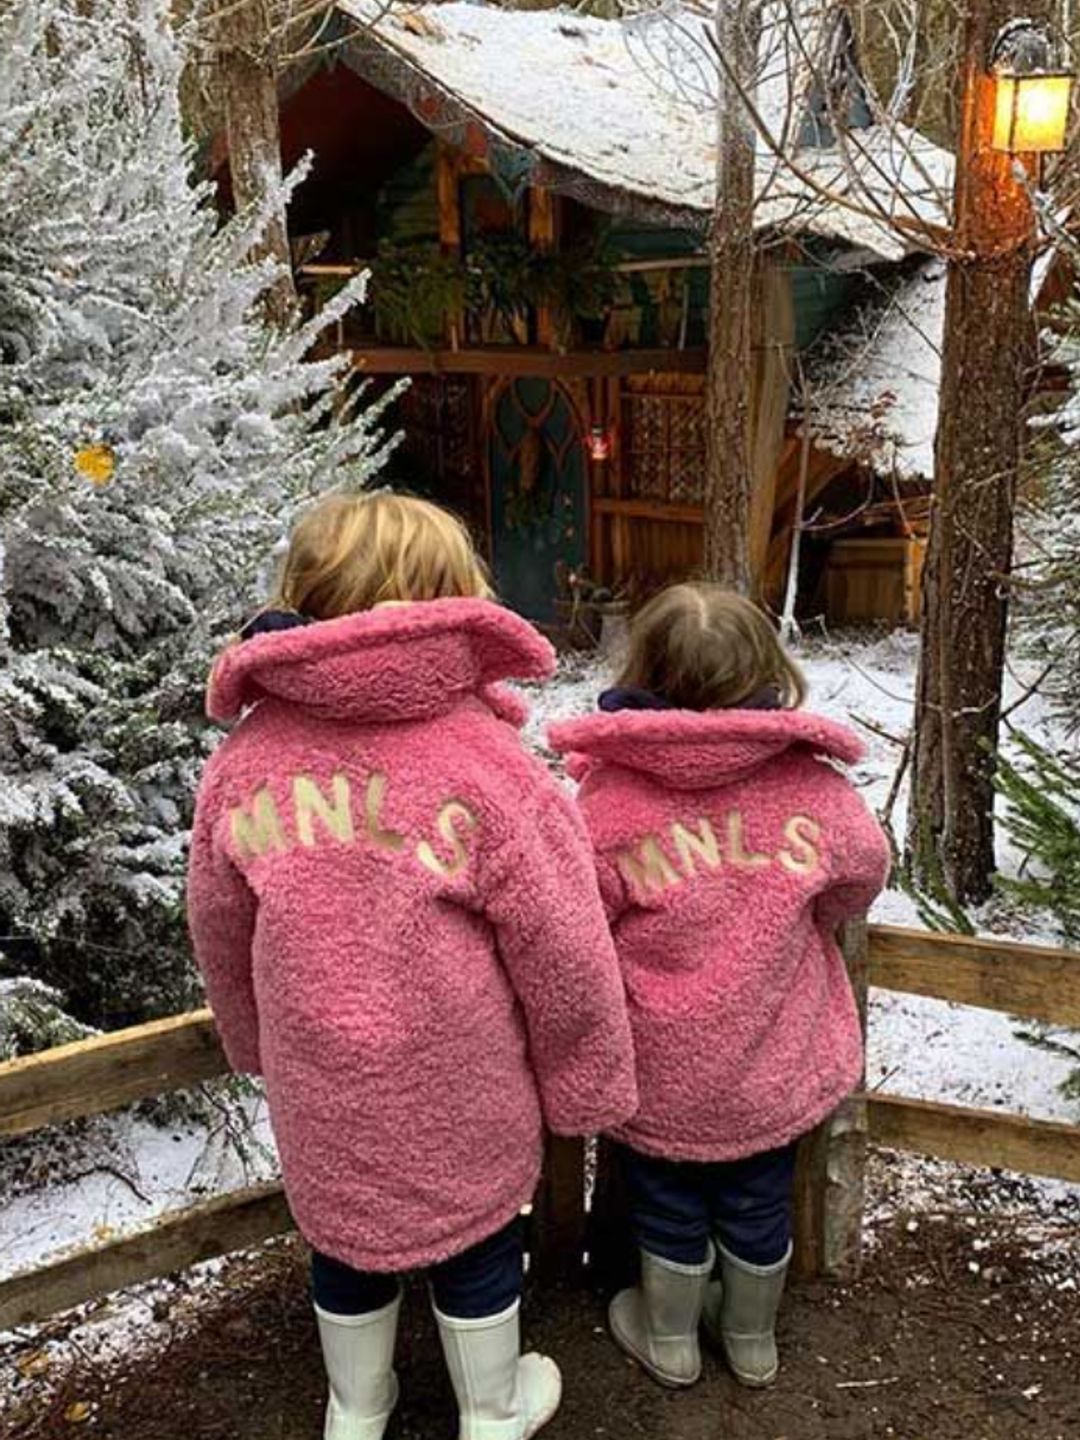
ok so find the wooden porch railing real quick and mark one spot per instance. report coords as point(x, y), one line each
point(93, 1076)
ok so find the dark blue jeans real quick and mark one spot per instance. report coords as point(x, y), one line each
point(483, 1280)
point(676, 1205)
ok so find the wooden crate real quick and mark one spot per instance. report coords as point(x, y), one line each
point(875, 579)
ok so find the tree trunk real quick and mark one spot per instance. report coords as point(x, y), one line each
point(987, 363)
point(731, 259)
point(248, 78)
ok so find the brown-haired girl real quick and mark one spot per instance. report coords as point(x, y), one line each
point(397, 917)
point(729, 846)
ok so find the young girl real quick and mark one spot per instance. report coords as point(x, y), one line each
point(397, 917)
point(729, 847)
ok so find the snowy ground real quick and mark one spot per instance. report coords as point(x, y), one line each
point(120, 1172)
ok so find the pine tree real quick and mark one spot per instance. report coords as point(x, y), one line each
point(1048, 580)
point(156, 437)
point(1042, 819)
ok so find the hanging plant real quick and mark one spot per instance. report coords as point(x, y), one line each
point(416, 290)
point(502, 284)
point(579, 283)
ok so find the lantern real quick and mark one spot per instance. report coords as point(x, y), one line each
point(1031, 97)
point(599, 444)
point(1031, 112)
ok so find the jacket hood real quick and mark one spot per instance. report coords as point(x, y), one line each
point(698, 750)
point(402, 662)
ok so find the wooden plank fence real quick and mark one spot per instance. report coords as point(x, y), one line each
point(105, 1073)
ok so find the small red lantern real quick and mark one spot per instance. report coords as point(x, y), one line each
point(599, 444)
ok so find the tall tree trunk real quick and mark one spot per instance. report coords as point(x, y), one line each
point(729, 379)
point(986, 370)
point(248, 78)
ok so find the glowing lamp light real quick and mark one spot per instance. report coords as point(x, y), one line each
point(599, 444)
point(1031, 112)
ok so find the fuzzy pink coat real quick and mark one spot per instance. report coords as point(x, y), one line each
point(398, 920)
point(729, 848)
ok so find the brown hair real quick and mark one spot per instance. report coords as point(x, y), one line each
point(705, 648)
point(352, 552)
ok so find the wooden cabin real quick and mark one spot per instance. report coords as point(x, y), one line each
point(531, 191)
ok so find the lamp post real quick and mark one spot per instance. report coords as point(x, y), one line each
point(1015, 110)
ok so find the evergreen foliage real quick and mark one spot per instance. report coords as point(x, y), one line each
point(1042, 818)
point(156, 438)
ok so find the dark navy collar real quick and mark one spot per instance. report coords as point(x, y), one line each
point(632, 697)
point(267, 622)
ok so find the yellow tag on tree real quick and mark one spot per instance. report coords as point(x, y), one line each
point(96, 462)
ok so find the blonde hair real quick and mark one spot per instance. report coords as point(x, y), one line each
point(352, 552)
point(705, 648)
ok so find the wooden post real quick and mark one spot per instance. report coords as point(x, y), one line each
point(557, 1243)
point(774, 336)
point(448, 196)
point(543, 229)
point(830, 1182)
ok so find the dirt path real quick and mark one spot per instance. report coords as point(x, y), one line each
point(947, 1336)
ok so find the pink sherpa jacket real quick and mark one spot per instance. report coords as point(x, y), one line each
point(729, 848)
point(397, 916)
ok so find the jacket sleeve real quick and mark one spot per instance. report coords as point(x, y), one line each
point(221, 918)
point(859, 864)
point(542, 898)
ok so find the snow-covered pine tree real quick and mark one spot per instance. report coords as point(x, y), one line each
point(155, 439)
point(1048, 593)
point(1042, 790)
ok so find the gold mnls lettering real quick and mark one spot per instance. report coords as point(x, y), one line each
point(373, 803)
point(255, 834)
point(450, 816)
point(311, 805)
point(650, 868)
point(802, 855)
point(701, 843)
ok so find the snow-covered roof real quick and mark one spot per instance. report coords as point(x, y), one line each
point(873, 387)
point(623, 113)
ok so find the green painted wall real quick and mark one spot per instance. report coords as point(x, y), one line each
point(407, 208)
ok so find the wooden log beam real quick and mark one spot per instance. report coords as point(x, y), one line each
point(649, 510)
point(514, 361)
point(976, 1137)
point(187, 1237)
point(106, 1072)
point(1034, 981)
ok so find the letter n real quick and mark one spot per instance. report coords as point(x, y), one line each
point(311, 805)
point(701, 843)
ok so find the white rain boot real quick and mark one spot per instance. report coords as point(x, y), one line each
point(501, 1394)
point(740, 1316)
point(358, 1351)
point(657, 1322)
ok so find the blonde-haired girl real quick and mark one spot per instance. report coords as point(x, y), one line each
point(729, 846)
point(396, 914)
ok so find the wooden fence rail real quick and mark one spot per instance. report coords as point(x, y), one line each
point(107, 1072)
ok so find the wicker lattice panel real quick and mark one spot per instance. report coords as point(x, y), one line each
point(665, 447)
